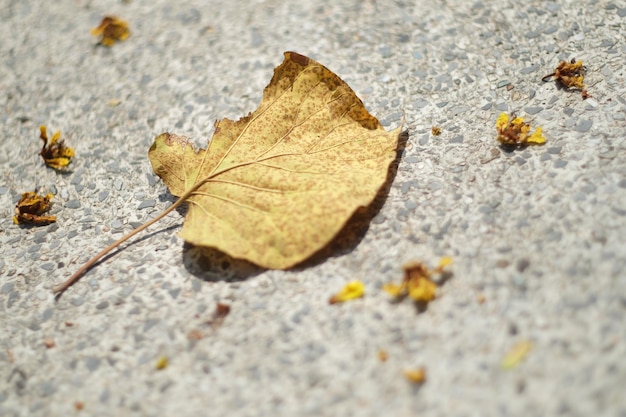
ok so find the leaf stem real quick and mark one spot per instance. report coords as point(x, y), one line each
point(58, 289)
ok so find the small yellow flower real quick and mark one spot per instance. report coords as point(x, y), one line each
point(54, 153)
point(111, 29)
point(31, 207)
point(517, 132)
point(350, 291)
point(422, 289)
point(569, 74)
point(417, 282)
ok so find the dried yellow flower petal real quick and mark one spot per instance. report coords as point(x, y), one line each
point(417, 282)
point(350, 291)
point(569, 74)
point(435, 130)
point(443, 262)
point(516, 354)
point(422, 289)
point(112, 30)
point(161, 363)
point(502, 121)
point(416, 376)
point(517, 132)
point(31, 206)
point(394, 290)
point(54, 153)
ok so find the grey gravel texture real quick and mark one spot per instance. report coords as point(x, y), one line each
point(537, 235)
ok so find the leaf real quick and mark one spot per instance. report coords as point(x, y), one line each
point(30, 209)
point(350, 291)
point(111, 29)
point(54, 153)
point(516, 354)
point(278, 185)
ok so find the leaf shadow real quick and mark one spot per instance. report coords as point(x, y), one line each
point(212, 265)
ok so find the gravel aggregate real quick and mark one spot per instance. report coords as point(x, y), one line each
point(537, 235)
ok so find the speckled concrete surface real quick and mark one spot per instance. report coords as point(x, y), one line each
point(537, 234)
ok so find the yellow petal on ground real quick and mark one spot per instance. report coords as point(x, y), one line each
point(502, 122)
point(516, 354)
point(393, 289)
point(350, 291)
point(422, 289)
point(161, 363)
point(416, 376)
point(537, 137)
point(445, 261)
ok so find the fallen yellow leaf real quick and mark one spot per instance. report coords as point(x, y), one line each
point(350, 291)
point(516, 354)
point(279, 184)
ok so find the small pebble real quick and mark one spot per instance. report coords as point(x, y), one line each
point(48, 266)
point(47, 388)
point(77, 301)
point(102, 195)
point(72, 204)
point(92, 363)
point(146, 204)
point(533, 110)
point(555, 150)
point(457, 139)
point(502, 107)
point(529, 70)
point(583, 125)
point(7, 287)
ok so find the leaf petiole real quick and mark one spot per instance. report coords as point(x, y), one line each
point(58, 289)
